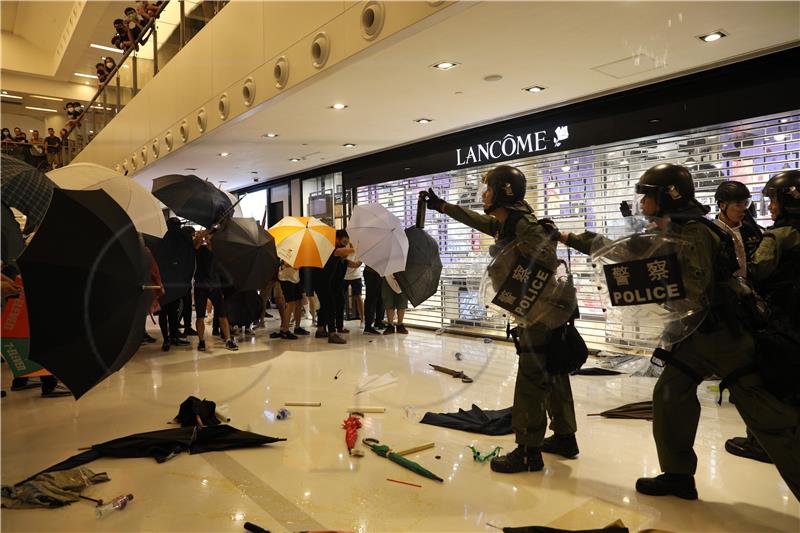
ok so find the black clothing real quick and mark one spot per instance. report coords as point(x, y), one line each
point(205, 274)
point(53, 144)
point(168, 320)
point(201, 297)
point(373, 303)
point(476, 420)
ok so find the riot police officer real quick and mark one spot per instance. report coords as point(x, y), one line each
point(537, 393)
point(719, 346)
point(733, 200)
point(775, 269)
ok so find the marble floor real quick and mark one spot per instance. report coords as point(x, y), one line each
point(310, 482)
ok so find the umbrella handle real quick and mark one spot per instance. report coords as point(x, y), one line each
point(150, 287)
point(421, 204)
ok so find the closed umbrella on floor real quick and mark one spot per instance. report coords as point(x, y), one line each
point(143, 208)
point(378, 238)
point(384, 451)
point(87, 257)
point(245, 253)
point(420, 278)
point(26, 189)
point(192, 198)
point(636, 410)
point(303, 241)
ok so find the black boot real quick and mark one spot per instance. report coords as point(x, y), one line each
point(563, 445)
point(747, 447)
point(522, 459)
point(680, 485)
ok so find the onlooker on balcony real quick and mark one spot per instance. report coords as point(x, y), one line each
point(134, 22)
point(147, 9)
point(53, 144)
point(36, 151)
point(102, 73)
point(19, 136)
point(123, 38)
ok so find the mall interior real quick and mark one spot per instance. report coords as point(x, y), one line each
point(128, 125)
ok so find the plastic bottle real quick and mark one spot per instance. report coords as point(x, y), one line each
point(118, 503)
point(283, 414)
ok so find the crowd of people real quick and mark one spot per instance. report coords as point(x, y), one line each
point(320, 295)
point(43, 153)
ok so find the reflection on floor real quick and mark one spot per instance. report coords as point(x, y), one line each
point(309, 482)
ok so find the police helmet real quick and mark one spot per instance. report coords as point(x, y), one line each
point(671, 185)
point(785, 188)
point(508, 188)
point(731, 191)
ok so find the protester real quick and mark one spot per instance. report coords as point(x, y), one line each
point(396, 304)
point(208, 287)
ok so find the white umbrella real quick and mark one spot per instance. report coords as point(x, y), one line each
point(237, 210)
point(378, 238)
point(143, 208)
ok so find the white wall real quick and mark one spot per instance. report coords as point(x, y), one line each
point(27, 123)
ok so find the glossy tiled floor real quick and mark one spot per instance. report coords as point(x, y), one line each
point(309, 482)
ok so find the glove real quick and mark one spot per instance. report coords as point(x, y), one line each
point(550, 228)
point(433, 202)
point(625, 209)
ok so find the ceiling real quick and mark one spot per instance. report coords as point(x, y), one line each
point(575, 50)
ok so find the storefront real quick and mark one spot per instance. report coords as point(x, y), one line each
point(581, 162)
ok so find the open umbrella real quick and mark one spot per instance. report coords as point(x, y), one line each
point(245, 253)
point(25, 188)
point(142, 207)
point(378, 238)
point(420, 279)
point(303, 241)
point(236, 210)
point(243, 308)
point(165, 444)
point(192, 198)
point(88, 257)
point(635, 411)
point(12, 243)
point(384, 451)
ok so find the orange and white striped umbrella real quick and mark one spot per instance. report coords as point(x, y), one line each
point(303, 241)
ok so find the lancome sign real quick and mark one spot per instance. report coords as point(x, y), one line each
point(511, 146)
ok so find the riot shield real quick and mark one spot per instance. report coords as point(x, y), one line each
point(531, 291)
point(646, 294)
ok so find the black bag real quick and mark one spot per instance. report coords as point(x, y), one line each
point(566, 351)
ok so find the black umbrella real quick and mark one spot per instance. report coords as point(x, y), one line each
point(245, 253)
point(174, 255)
point(420, 280)
point(25, 188)
point(12, 243)
point(637, 411)
point(196, 412)
point(243, 308)
point(192, 198)
point(164, 444)
point(88, 257)
point(476, 420)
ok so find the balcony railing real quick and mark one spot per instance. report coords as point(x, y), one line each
point(175, 23)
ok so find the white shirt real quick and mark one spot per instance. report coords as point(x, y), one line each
point(352, 272)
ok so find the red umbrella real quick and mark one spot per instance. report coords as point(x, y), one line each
point(351, 426)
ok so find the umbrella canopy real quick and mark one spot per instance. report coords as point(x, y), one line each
point(174, 255)
point(192, 198)
point(237, 209)
point(385, 451)
point(196, 412)
point(25, 188)
point(143, 208)
point(378, 238)
point(245, 253)
point(165, 444)
point(636, 411)
point(87, 256)
point(243, 308)
point(420, 279)
point(12, 243)
point(303, 241)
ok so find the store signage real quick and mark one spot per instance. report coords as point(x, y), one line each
point(511, 146)
point(646, 281)
point(523, 287)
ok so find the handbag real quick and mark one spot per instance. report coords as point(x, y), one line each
point(566, 350)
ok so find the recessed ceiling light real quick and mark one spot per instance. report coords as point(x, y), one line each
point(534, 89)
point(294, 160)
point(349, 145)
point(82, 75)
point(46, 98)
point(714, 36)
point(224, 154)
point(270, 135)
point(446, 65)
point(106, 48)
point(339, 107)
point(13, 96)
point(41, 109)
point(493, 77)
point(423, 120)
